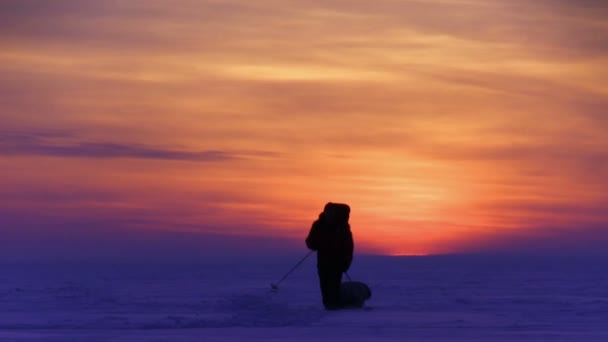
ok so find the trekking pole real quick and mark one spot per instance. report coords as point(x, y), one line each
point(347, 276)
point(276, 286)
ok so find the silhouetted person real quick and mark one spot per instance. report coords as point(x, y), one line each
point(331, 237)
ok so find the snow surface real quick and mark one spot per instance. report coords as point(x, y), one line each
point(470, 298)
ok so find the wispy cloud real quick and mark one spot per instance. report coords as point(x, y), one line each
point(42, 143)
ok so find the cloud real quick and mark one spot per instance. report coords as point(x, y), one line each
point(39, 144)
point(129, 25)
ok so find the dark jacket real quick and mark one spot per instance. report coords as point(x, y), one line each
point(333, 241)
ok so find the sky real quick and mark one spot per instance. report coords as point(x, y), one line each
point(157, 127)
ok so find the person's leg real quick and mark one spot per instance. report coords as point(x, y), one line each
point(333, 281)
point(329, 281)
point(324, 284)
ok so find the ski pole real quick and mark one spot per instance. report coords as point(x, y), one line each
point(276, 286)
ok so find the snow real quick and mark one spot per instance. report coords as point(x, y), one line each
point(453, 298)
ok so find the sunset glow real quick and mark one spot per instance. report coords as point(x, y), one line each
point(446, 125)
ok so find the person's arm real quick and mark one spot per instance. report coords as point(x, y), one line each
point(349, 250)
point(312, 241)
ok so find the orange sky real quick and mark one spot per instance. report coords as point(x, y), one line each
point(447, 125)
